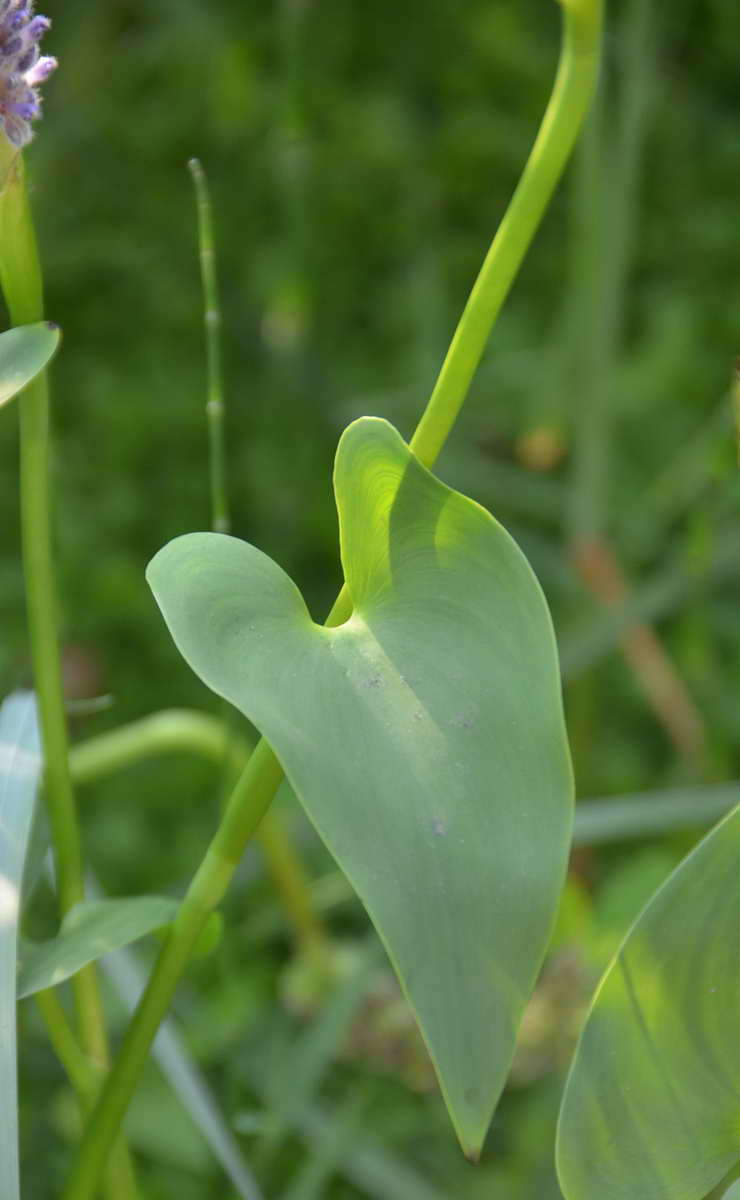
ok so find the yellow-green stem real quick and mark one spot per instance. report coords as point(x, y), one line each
point(21, 282)
point(85, 1078)
point(572, 93)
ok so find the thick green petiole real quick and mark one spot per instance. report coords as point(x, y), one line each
point(574, 85)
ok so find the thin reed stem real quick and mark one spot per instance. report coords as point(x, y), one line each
point(220, 517)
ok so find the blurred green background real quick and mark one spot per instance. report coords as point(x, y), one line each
point(360, 157)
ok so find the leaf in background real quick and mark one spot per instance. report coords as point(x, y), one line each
point(652, 1104)
point(89, 930)
point(424, 737)
point(24, 352)
point(20, 765)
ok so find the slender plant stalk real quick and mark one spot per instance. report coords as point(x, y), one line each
point(78, 1067)
point(21, 282)
point(85, 1077)
point(220, 518)
point(283, 863)
point(572, 93)
point(215, 408)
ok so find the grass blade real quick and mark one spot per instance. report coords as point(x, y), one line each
point(20, 765)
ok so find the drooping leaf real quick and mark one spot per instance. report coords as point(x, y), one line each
point(652, 1104)
point(20, 766)
point(89, 930)
point(424, 737)
point(24, 352)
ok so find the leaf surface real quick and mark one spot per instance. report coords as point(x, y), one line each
point(424, 737)
point(89, 930)
point(24, 352)
point(20, 766)
point(652, 1104)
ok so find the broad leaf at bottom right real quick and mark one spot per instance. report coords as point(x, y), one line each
point(651, 1109)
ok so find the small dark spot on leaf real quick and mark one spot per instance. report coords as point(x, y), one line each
point(439, 827)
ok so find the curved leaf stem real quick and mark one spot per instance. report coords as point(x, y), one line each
point(200, 733)
point(572, 93)
point(571, 96)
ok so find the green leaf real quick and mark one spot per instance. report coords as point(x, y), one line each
point(652, 1104)
point(20, 766)
point(89, 930)
point(24, 352)
point(424, 737)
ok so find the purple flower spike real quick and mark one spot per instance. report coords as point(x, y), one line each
point(21, 69)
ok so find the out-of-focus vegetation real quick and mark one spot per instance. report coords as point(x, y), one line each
point(360, 157)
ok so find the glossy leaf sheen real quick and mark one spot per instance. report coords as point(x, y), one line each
point(89, 930)
point(652, 1104)
point(424, 737)
point(24, 352)
point(20, 766)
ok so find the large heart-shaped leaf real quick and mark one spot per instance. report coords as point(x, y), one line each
point(24, 352)
point(20, 768)
point(89, 930)
point(652, 1104)
point(424, 737)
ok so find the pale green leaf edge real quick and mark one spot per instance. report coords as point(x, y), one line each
point(669, 884)
point(25, 351)
point(89, 930)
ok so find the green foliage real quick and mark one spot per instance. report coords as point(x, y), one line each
point(650, 1107)
point(24, 352)
point(424, 737)
point(359, 156)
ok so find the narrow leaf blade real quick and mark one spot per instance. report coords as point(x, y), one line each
point(90, 930)
point(20, 767)
point(24, 352)
point(652, 1103)
point(424, 737)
